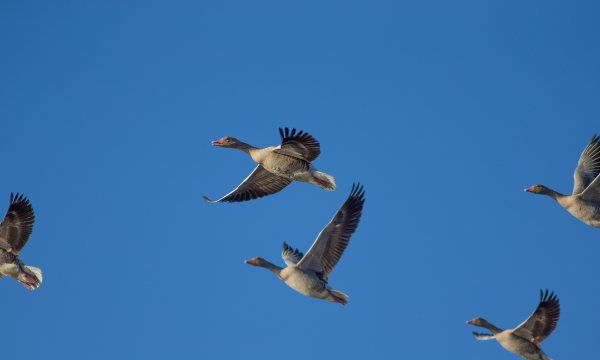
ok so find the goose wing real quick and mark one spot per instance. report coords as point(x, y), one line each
point(290, 255)
point(483, 336)
point(588, 166)
point(259, 183)
point(329, 246)
point(17, 224)
point(299, 144)
point(543, 320)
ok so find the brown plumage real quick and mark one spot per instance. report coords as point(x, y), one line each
point(543, 321)
point(17, 224)
point(15, 230)
point(525, 339)
point(327, 250)
point(277, 166)
point(307, 274)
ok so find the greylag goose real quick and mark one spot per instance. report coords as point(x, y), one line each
point(525, 339)
point(584, 203)
point(308, 274)
point(14, 233)
point(277, 166)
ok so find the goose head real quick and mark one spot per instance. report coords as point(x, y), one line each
point(257, 261)
point(481, 322)
point(539, 189)
point(227, 142)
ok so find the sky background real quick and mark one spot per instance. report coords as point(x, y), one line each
point(445, 111)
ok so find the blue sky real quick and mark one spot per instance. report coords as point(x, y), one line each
point(445, 111)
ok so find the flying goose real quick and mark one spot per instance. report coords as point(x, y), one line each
point(526, 338)
point(14, 233)
point(308, 274)
point(584, 203)
point(277, 166)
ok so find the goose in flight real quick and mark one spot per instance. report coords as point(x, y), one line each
point(584, 203)
point(308, 274)
point(277, 166)
point(525, 339)
point(14, 233)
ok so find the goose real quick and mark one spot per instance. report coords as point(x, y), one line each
point(14, 233)
point(277, 166)
point(308, 274)
point(525, 339)
point(584, 203)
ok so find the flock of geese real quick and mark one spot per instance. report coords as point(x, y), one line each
point(308, 274)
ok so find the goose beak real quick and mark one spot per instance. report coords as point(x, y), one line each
point(470, 322)
point(529, 189)
point(216, 143)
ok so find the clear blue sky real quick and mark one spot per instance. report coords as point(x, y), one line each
point(444, 111)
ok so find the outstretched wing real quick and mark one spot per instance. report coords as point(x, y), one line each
point(290, 255)
point(543, 320)
point(17, 224)
point(259, 183)
point(300, 145)
point(588, 166)
point(329, 246)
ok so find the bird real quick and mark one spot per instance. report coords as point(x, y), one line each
point(584, 203)
point(308, 274)
point(525, 339)
point(15, 230)
point(277, 166)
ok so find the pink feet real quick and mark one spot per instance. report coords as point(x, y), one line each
point(28, 281)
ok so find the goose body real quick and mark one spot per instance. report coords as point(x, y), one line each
point(519, 346)
point(524, 340)
point(282, 165)
point(584, 202)
point(581, 208)
point(308, 274)
point(305, 282)
point(15, 230)
point(277, 166)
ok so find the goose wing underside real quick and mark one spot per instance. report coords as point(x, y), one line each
point(259, 183)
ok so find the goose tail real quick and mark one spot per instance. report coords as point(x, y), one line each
point(339, 297)
point(324, 181)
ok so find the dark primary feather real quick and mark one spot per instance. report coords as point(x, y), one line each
point(17, 224)
point(259, 183)
point(327, 250)
point(543, 320)
point(588, 166)
point(300, 143)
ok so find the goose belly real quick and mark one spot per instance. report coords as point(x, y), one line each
point(518, 346)
point(586, 213)
point(305, 284)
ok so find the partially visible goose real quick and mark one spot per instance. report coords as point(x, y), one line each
point(584, 203)
point(14, 233)
point(526, 338)
point(307, 274)
point(277, 166)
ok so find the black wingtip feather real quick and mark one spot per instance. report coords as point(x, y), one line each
point(357, 191)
